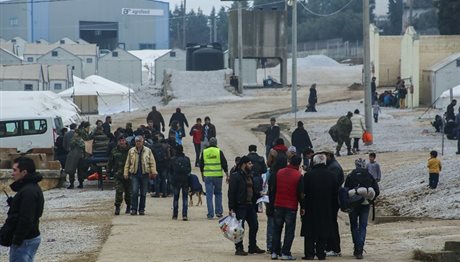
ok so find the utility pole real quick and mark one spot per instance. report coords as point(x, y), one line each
point(240, 48)
point(367, 68)
point(411, 7)
point(294, 57)
point(215, 29)
point(184, 22)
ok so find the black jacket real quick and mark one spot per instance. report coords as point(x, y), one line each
point(312, 98)
point(208, 131)
point(26, 208)
point(259, 167)
point(180, 118)
point(334, 166)
point(360, 177)
point(271, 134)
point(301, 139)
point(450, 114)
point(237, 190)
point(180, 176)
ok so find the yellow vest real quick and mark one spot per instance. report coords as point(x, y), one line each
point(212, 165)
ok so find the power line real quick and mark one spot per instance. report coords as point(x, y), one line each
point(325, 15)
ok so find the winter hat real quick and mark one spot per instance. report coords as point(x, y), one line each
point(360, 163)
point(213, 141)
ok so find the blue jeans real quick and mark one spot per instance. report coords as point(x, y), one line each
point(270, 225)
point(213, 186)
point(358, 224)
point(160, 181)
point(434, 179)
point(281, 217)
point(177, 190)
point(26, 251)
point(139, 183)
point(248, 214)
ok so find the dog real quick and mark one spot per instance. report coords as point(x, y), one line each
point(195, 189)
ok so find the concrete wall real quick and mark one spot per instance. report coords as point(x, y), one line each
point(125, 69)
point(249, 71)
point(64, 58)
point(169, 62)
point(64, 85)
point(410, 65)
point(389, 60)
point(88, 68)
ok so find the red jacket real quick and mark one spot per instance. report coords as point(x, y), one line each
point(197, 133)
point(288, 184)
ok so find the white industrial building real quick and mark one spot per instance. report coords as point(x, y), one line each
point(122, 67)
point(440, 77)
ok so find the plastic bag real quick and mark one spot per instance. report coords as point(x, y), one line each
point(232, 228)
point(367, 138)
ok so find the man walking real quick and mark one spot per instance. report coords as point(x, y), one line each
point(258, 167)
point(139, 167)
point(242, 198)
point(68, 137)
point(180, 181)
point(157, 118)
point(197, 133)
point(21, 231)
point(450, 113)
point(107, 128)
point(116, 166)
point(312, 99)
point(300, 139)
point(161, 153)
point(272, 133)
point(181, 119)
point(320, 191)
point(344, 127)
point(209, 130)
point(288, 194)
point(212, 166)
point(357, 179)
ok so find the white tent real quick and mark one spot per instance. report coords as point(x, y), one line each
point(37, 103)
point(444, 99)
point(97, 95)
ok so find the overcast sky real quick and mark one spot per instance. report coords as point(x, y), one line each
point(206, 5)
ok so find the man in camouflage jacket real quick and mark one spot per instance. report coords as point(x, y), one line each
point(116, 165)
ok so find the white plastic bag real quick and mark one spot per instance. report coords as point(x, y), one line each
point(232, 228)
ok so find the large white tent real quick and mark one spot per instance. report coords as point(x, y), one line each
point(97, 95)
point(444, 99)
point(41, 103)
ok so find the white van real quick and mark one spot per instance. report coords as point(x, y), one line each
point(25, 133)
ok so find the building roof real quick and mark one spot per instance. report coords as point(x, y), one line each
point(95, 86)
point(66, 41)
point(57, 48)
point(446, 61)
point(9, 53)
point(76, 49)
point(57, 72)
point(120, 50)
point(21, 72)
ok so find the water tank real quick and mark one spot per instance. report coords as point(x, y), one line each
point(205, 57)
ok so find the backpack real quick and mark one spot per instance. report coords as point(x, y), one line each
point(181, 166)
point(333, 133)
point(159, 153)
point(347, 203)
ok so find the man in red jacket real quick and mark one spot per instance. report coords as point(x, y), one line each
point(197, 132)
point(287, 195)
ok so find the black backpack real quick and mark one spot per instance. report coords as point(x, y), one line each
point(181, 166)
point(159, 153)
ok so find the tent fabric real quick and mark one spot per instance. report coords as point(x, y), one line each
point(37, 103)
point(111, 97)
point(444, 99)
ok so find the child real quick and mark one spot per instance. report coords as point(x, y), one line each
point(434, 167)
point(374, 168)
point(376, 110)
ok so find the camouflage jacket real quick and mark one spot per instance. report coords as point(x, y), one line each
point(117, 160)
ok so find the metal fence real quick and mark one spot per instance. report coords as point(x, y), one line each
point(333, 48)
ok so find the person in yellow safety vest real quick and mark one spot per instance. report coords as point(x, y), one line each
point(213, 165)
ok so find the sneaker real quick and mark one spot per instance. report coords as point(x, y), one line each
point(117, 210)
point(219, 215)
point(70, 186)
point(80, 185)
point(274, 256)
point(333, 254)
point(133, 213)
point(359, 256)
point(240, 252)
point(184, 219)
point(256, 250)
point(268, 252)
point(286, 257)
point(174, 217)
point(141, 213)
point(308, 258)
point(128, 210)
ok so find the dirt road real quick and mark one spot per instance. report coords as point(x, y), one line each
point(155, 237)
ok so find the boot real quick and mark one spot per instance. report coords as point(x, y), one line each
point(128, 209)
point(70, 186)
point(349, 153)
point(240, 252)
point(337, 152)
point(80, 185)
point(117, 210)
point(354, 151)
